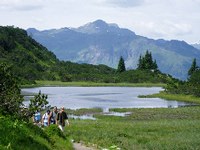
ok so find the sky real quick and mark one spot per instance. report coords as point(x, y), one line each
point(156, 19)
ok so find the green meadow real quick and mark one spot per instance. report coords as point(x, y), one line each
point(160, 128)
point(149, 128)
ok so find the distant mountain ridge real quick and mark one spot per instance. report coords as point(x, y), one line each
point(197, 45)
point(101, 43)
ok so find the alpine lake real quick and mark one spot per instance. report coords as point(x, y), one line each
point(105, 98)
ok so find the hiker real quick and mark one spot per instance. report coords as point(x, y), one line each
point(53, 116)
point(62, 119)
point(37, 118)
point(45, 118)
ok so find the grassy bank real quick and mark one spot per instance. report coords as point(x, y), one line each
point(164, 128)
point(177, 97)
point(86, 84)
point(18, 135)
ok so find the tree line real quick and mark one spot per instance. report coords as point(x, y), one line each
point(174, 86)
point(189, 87)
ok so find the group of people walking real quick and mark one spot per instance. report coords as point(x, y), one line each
point(55, 116)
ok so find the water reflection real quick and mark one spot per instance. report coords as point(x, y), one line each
point(102, 97)
point(120, 114)
point(89, 116)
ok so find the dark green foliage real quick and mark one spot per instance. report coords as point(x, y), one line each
point(15, 133)
point(53, 130)
point(190, 87)
point(143, 76)
point(147, 63)
point(195, 78)
point(18, 135)
point(69, 71)
point(29, 59)
point(193, 68)
point(195, 83)
point(38, 103)
point(10, 98)
point(121, 66)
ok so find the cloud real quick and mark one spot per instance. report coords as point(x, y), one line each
point(163, 29)
point(177, 19)
point(125, 3)
point(20, 5)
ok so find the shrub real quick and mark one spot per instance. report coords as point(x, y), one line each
point(10, 97)
point(53, 130)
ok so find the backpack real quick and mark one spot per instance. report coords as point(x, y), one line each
point(53, 117)
point(37, 116)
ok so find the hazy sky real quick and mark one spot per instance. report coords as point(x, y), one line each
point(167, 19)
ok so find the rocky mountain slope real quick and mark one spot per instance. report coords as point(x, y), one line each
point(197, 45)
point(101, 43)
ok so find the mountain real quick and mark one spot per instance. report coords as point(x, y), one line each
point(197, 45)
point(101, 43)
point(29, 59)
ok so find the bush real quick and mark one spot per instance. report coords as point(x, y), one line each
point(53, 130)
point(16, 134)
point(10, 94)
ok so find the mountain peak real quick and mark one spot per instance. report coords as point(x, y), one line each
point(98, 26)
point(99, 23)
point(99, 42)
point(32, 30)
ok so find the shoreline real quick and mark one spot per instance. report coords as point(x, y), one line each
point(89, 84)
point(176, 97)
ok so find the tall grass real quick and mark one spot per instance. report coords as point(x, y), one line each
point(158, 129)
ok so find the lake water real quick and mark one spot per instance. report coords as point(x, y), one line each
point(103, 97)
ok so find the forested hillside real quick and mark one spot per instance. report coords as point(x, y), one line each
point(31, 61)
point(28, 59)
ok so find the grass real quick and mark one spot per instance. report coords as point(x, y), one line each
point(18, 135)
point(84, 111)
point(86, 84)
point(152, 129)
point(177, 97)
point(160, 128)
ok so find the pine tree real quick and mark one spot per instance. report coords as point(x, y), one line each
point(121, 65)
point(147, 62)
point(141, 64)
point(155, 66)
point(193, 67)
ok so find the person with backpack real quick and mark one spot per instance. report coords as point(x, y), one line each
point(37, 118)
point(53, 116)
point(45, 118)
point(62, 119)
